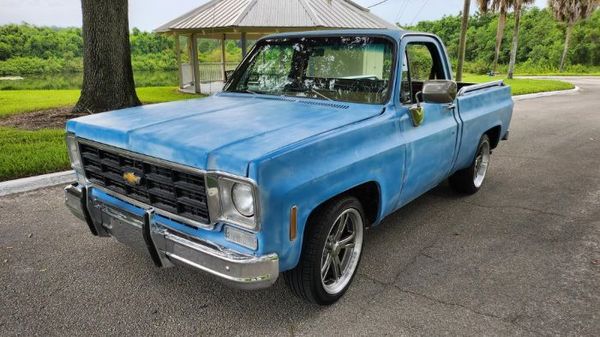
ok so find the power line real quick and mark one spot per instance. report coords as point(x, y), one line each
point(399, 11)
point(419, 12)
point(401, 8)
point(377, 4)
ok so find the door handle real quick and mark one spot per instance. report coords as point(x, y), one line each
point(450, 106)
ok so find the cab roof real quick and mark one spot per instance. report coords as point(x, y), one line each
point(395, 34)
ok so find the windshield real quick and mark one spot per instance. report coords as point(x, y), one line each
point(352, 69)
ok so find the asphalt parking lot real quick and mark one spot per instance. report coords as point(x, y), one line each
point(521, 257)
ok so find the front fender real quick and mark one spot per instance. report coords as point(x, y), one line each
point(321, 169)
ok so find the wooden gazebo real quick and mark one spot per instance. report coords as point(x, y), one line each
point(246, 20)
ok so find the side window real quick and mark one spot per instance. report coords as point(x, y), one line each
point(422, 63)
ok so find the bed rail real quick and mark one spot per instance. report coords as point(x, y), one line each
point(475, 87)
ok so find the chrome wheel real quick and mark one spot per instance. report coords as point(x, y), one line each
point(342, 251)
point(482, 162)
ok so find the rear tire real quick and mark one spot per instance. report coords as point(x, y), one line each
point(470, 179)
point(331, 252)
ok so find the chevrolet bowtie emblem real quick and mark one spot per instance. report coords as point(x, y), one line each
point(131, 178)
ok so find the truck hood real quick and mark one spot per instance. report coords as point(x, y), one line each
point(223, 132)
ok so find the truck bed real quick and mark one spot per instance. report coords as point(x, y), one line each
point(481, 107)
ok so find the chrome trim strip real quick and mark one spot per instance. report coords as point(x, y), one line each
point(474, 87)
point(245, 281)
point(227, 265)
point(239, 270)
point(77, 199)
point(213, 197)
point(71, 135)
point(73, 201)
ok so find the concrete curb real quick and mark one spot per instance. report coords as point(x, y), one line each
point(546, 94)
point(36, 182)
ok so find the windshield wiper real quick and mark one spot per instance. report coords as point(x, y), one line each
point(247, 91)
point(313, 90)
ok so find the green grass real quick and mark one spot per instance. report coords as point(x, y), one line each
point(521, 86)
point(20, 101)
point(149, 95)
point(24, 153)
point(556, 73)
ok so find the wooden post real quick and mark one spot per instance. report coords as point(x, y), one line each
point(178, 55)
point(195, 63)
point(244, 45)
point(223, 57)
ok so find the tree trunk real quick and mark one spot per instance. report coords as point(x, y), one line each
point(462, 43)
point(515, 40)
point(563, 58)
point(107, 74)
point(499, 36)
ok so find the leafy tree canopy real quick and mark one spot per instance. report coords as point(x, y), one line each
point(541, 39)
point(25, 48)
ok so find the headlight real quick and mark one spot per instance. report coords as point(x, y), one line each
point(233, 200)
point(243, 199)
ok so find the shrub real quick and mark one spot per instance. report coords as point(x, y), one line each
point(30, 65)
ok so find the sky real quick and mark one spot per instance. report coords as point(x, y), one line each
point(149, 14)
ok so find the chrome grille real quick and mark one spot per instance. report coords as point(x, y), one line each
point(166, 188)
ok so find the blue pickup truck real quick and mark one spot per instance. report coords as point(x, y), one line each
point(315, 137)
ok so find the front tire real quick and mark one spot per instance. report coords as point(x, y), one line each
point(470, 179)
point(330, 254)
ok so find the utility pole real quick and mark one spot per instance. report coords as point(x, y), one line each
point(462, 43)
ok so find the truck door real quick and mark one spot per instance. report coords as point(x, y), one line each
point(431, 145)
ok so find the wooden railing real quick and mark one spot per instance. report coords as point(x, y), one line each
point(209, 72)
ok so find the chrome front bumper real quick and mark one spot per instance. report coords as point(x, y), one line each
point(167, 247)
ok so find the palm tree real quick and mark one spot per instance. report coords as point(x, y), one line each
point(462, 42)
point(569, 12)
point(502, 7)
point(517, 7)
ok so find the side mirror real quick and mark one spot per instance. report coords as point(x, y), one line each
point(439, 91)
point(228, 74)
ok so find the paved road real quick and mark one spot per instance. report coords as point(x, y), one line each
point(522, 257)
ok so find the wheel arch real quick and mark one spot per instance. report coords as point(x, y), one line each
point(494, 135)
point(367, 193)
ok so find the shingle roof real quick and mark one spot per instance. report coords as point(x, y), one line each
point(276, 14)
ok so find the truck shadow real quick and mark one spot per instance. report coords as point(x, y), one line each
point(195, 295)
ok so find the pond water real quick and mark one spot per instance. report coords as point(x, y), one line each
point(73, 80)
